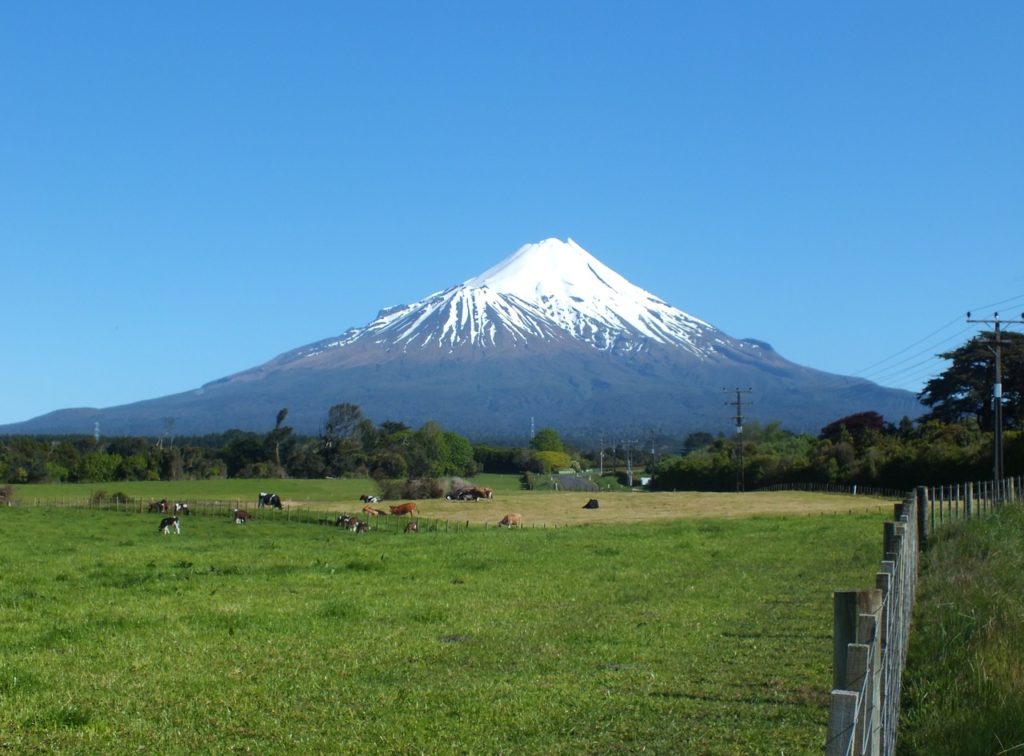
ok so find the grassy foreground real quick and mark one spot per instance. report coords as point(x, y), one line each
point(680, 636)
point(964, 683)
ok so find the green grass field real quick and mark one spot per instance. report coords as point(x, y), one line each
point(964, 682)
point(709, 635)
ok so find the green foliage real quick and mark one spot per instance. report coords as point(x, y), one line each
point(697, 441)
point(872, 453)
point(964, 390)
point(98, 467)
point(547, 440)
point(350, 446)
point(552, 461)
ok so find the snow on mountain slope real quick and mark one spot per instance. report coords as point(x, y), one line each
point(543, 292)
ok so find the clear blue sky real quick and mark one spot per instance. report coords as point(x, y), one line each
point(188, 189)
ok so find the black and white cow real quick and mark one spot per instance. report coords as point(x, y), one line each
point(268, 500)
point(169, 523)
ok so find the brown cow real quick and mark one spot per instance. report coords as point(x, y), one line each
point(403, 509)
point(412, 527)
point(368, 510)
point(511, 520)
point(241, 517)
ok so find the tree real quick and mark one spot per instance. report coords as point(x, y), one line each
point(99, 467)
point(242, 451)
point(342, 421)
point(547, 439)
point(460, 456)
point(278, 436)
point(964, 389)
point(342, 439)
point(859, 426)
point(697, 440)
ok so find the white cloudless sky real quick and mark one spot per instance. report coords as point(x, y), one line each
point(188, 189)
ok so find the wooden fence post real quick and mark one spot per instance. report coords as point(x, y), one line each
point(842, 721)
point(922, 517)
point(868, 632)
point(844, 632)
point(858, 680)
point(847, 606)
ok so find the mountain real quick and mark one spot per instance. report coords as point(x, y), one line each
point(549, 337)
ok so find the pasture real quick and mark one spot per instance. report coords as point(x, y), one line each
point(705, 635)
point(539, 508)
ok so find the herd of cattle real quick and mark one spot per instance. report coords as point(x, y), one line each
point(471, 493)
point(349, 522)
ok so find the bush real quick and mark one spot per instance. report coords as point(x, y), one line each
point(413, 488)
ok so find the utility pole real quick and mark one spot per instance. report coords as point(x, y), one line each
point(997, 392)
point(629, 461)
point(738, 404)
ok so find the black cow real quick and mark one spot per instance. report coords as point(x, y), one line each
point(592, 504)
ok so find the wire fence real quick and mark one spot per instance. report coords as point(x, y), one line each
point(871, 628)
point(963, 501)
point(849, 489)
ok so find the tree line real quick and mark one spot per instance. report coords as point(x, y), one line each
point(861, 449)
point(349, 445)
point(953, 441)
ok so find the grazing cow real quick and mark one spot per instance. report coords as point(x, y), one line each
point(368, 499)
point(268, 500)
point(368, 510)
point(351, 523)
point(242, 517)
point(470, 494)
point(511, 520)
point(159, 506)
point(181, 508)
point(167, 524)
point(592, 504)
point(412, 527)
point(403, 509)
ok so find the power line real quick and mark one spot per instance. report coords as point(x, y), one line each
point(886, 373)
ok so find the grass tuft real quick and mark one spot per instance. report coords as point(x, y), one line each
point(964, 683)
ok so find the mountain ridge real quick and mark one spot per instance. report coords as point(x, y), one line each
point(549, 333)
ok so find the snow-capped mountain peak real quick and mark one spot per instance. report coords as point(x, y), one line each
point(550, 268)
point(578, 291)
point(549, 290)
